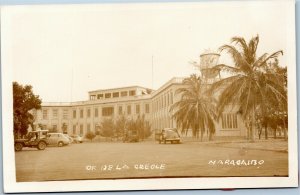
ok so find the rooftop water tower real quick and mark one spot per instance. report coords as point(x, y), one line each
point(208, 60)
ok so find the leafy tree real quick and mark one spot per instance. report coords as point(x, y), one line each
point(97, 130)
point(131, 125)
point(120, 125)
point(195, 109)
point(147, 129)
point(139, 126)
point(24, 100)
point(252, 84)
point(143, 126)
point(107, 127)
point(90, 135)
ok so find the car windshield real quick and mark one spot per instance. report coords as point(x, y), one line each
point(171, 133)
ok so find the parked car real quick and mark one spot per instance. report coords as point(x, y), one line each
point(33, 139)
point(167, 135)
point(77, 138)
point(70, 138)
point(58, 139)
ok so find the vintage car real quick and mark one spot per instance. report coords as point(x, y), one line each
point(167, 135)
point(77, 138)
point(58, 139)
point(33, 139)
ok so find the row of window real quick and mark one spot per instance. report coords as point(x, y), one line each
point(55, 113)
point(106, 111)
point(109, 111)
point(162, 101)
point(114, 95)
point(229, 121)
point(79, 130)
point(74, 130)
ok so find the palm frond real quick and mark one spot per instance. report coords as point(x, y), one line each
point(273, 55)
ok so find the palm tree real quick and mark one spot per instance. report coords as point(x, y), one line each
point(252, 84)
point(195, 109)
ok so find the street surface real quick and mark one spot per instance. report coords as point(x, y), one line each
point(102, 160)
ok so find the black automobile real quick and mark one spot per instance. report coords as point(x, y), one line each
point(167, 135)
point(33, 139)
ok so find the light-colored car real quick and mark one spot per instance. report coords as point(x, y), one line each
point(57, 139)
point(77, 138)
point(70, 138)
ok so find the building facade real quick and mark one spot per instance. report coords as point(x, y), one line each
point(131, 102)
point(81, 117)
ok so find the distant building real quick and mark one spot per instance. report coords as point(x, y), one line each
point(81, 117)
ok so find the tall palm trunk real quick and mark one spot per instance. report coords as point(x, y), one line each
point(252, 128)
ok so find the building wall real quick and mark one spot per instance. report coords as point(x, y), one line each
point(87, 117)
point(80, 117)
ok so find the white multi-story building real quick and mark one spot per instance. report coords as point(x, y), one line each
point(83, 116)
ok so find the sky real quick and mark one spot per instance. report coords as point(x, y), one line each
point(64, 51)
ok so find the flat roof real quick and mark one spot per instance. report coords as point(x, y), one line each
point(119, 88)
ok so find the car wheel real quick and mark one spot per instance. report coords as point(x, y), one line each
point(18, 146)
point(41, 146)
point(60, 144)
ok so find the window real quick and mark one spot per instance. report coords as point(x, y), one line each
point(229, 121)
point(54, 127)
point(147, 110)
point(45, 114)
point(74, 113)
point(55, 113)
point(107, 111)
point(129, 109)
point(65, 114)
point(96, 112)
point(81, 113)
point(171, 98)
point(137, 109)
point(92, 97)
point(120, 110)
point(74, 129)
point(65, 128)
point(100, 96)
point(88, 112)
point(124, 93)
point(108, 95)
point(168, 102)
point(132, 93)
point(116, 94)
point(81, 129)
